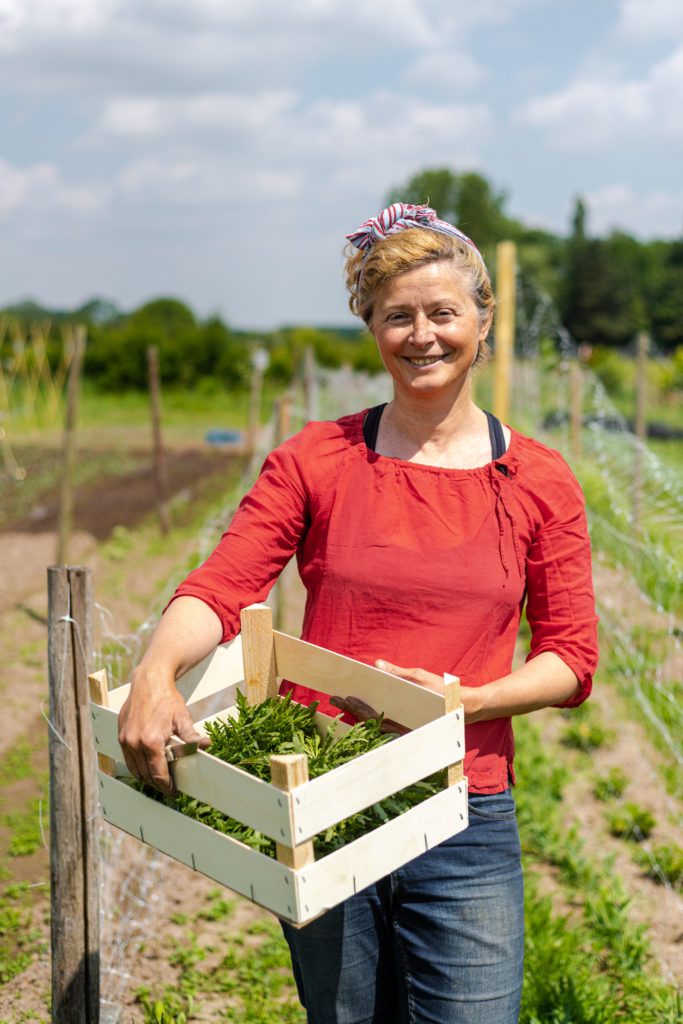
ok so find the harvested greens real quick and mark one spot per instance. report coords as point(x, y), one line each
point(281, 726)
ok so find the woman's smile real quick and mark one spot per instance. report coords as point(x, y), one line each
point(419, 361)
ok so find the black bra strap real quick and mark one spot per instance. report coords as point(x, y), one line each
point(371, 425)
point(374, 415)
point(498, 446)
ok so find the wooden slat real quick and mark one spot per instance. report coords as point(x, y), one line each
point(227, 861)
point(258, 653)
point(205, 687)
point(341, 874)
point(207, 778)
point(99, 693)
point(334, 674)
point(301, 895)
point(371, 777)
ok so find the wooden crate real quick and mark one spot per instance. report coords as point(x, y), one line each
point(291, 809)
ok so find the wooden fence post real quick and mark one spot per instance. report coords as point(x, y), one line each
point(504, 330)
point(74, 818)
point(575, 408)
point(160, 474)
point(66, 500)
point(642, 353)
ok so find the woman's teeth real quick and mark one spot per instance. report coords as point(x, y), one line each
point(426, 361)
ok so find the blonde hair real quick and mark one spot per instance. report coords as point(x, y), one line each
point(366, 273)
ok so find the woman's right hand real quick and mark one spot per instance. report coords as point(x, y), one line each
point(153, 713)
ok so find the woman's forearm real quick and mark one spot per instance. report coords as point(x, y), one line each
point(187, 632)
point(540, 683)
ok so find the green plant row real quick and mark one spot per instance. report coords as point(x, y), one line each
point(284, 727)
point(593, 964)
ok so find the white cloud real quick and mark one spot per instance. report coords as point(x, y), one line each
point(142, 118)
point(451, 70)
point(39, 187)
point(595, 112)
point(655, 213)
point(645, 19)
point(213, 148)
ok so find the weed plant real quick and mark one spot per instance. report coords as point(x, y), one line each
point(662, 864)
point(630, 821)
point(610, 786)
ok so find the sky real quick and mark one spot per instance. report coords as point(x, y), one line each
point(218, 151)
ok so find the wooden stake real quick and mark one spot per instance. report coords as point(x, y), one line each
point(575, 408)
point(66, 500)
point(160, 474)
point(258, 652)
point(310, 390)
point(504, 330)
point(643, 349)
point(74, 821)
point(287, 771)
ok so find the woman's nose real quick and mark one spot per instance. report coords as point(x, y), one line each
point(422, 330)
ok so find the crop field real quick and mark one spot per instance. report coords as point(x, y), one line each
point(599, 791)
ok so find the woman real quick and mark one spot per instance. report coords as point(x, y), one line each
point(420, 529)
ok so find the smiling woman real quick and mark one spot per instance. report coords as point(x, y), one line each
point(420, 528)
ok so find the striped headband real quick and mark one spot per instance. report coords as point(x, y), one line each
point(399, 217)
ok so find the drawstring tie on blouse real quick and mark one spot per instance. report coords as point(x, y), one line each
point(497, 474)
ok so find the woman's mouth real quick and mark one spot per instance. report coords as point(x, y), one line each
point(424, 360)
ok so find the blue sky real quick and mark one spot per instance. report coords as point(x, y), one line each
point(219, 150)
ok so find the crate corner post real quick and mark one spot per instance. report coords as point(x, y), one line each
point(258, 652)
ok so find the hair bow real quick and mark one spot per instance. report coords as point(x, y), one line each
point(399, 217)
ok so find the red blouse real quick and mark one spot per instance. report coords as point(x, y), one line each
point(423, 566)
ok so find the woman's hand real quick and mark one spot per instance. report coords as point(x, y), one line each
point(420, 676)
point(153, 712)
point(540, 683)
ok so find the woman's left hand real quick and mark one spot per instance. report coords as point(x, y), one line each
point(420, 676)
point(471, 696)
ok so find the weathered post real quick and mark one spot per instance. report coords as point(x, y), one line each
point(74, 847)
point(69, 446)
point(642, 352)
point(504, 330)
point(160, 474)
point(575, 408)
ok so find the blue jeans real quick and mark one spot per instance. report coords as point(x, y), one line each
point(441, 940)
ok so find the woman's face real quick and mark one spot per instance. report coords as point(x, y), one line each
point(428, 329)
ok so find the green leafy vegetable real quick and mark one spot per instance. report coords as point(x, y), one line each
point(281, 726)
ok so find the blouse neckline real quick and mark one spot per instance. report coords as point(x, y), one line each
point(508, 459)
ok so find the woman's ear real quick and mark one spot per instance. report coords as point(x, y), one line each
point(485, 326)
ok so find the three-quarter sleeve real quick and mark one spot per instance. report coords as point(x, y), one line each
point(262, 537)
point(560, 605)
